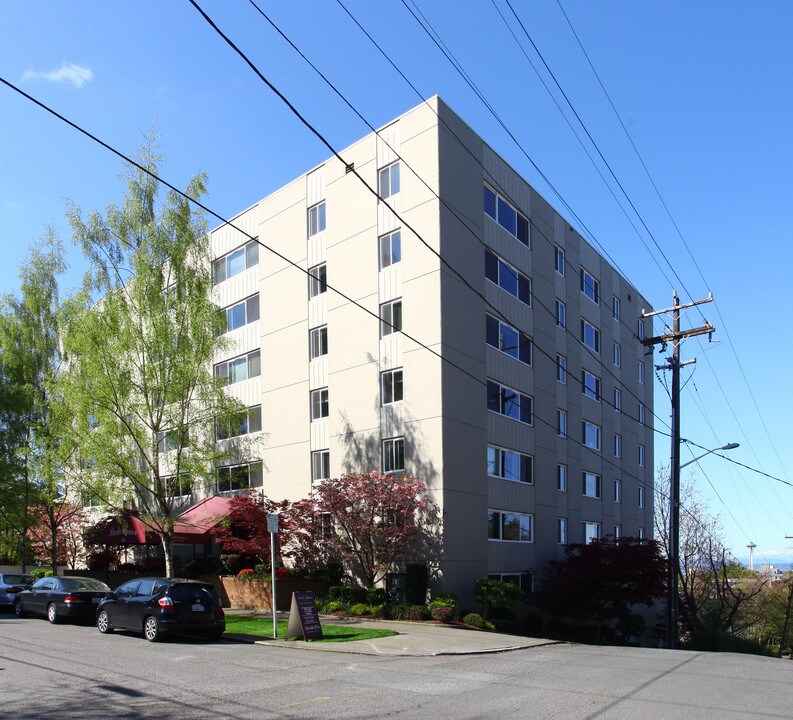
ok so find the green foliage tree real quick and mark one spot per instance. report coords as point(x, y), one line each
point(32, 455)
point(496, 595)
point(600, 582)
point(139, 392)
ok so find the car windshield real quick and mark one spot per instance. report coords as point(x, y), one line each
point(17, 579)
point(84, 584)
point(191, 591)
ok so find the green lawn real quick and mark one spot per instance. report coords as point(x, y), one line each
point(263, 627)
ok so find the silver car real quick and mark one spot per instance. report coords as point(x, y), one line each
point(10, 585)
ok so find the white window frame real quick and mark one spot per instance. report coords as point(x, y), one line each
point(318, 342)
point(591, 435)
point(251, 310)
point(561, 369)
point(615, 308)
point(497, 520)
point(254, 477)
point(316, 219)
point(591, 531)
point(393, 452)
point(618, 491)
point(561, 422)
point(590, 385)
point(561, 477)
point(388, 183)
point(641, 496)
point(317, 280)
point(561, 531)
point(499, 458)
point(641, 533)
point(640, 329)
point(561, 314)
point(617, 445)
point(618, 399)
point(617, 532)
point(507, 398)
point(641, 413)
point(391, 317)
point(590, 286)
point(252, 362)
point(319, 401)
point(320, 465)
point(617, 354)
point(558, 259)
point(511, 341)
point(248, 421)
point(591, 486)
point(640, 370)
point(250, 254)
point(587, 329)
point(641, 455)
point(391, 385)
point(387, 243)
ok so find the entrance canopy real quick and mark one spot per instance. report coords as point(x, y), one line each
point(124, 529)
point(196, 523)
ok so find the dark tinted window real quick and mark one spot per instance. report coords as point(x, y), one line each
point(44, 584)
point(192, 591)
point(128, 589)
point(146, 588)
point(84, 584)
point(16, 579)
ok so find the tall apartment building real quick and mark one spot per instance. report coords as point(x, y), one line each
point(499, 359)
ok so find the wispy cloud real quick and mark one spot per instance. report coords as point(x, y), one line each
point(77, 75)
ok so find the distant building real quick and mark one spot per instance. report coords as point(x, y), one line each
point(523, 397)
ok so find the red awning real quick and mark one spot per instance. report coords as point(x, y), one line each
point(126, 529)
point(195, 524)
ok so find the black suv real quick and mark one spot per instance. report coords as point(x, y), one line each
point(155, 606)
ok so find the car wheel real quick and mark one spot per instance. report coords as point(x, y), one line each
point(52, 613)
point(18, 609)
point(103, 622)
point(151, 629)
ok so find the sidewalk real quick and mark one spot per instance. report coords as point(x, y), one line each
point(414, 639)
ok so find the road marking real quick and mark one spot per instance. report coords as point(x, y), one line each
point(324, 698)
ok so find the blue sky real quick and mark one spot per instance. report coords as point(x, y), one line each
point(703, 88)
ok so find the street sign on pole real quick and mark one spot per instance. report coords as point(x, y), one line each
point(272, 528)
point(272, 522)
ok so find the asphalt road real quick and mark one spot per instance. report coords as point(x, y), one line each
point(69, 671)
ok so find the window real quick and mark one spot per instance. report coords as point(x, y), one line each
point(394, 455)
point(591, 485)
point(590, 286)
point(508, 340)
point(617, 354)
point(640, 329)
point(559, 260)
point(524, 580)
point(243, 423)
point(391, 386)
point(509, 526)
point(505, 401)
point(591, 532)
point(641, 413)
point(561, 369)
point(390, 317)
point(317, 280)
point(618, 491)
point(388, 181)
point(318, 342)
point(641, 497)
point(590, 335)
point(590, 385)
point(617, 445)
point(615, 308)
point(561, 423)
point(320, 465)
point(507, 216)
point(641, 533)
point(319, 403)
point(177, 487)
point(235, 262)
point(591, 435)
point(561, 312)
point(169, 440)
point(242, 313)
point(509, 465)
point(617, 399)
point(641, 455)
point(390, 249)
point(507, 277)
point(240, 368)
point(239, 477)
point(617, 532)
point(561, 478)
point(316, 219)
point(641, 372)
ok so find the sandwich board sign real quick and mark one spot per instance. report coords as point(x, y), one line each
point(303, 617)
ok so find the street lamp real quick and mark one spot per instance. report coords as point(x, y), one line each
point(674, 537)
point(728, 446)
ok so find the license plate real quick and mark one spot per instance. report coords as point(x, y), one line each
point(198, 607)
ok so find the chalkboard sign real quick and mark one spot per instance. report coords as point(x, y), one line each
point(303, 617)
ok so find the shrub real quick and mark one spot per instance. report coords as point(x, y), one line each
point(281, 573)
point(418, 612)
point(416, 582)
point(230, 562)
point(724, 642)
point(477, 621)
point(496, 595)
point(261, 570)
point(246, 573)
point(397, 612)
point(442, 613)
point(441, 600)
point(359, 609)
point(378, 611)
point(332, 606)
point(375, 596)
point(348, 595)
point(39, 573)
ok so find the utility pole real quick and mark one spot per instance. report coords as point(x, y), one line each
point(675, 336)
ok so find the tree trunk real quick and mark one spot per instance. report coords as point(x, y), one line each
point(24, 557)
point(53, 540)
point(166, 536)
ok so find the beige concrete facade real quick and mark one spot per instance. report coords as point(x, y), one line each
point(446, 363)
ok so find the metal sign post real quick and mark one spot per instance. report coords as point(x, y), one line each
point(272, 528)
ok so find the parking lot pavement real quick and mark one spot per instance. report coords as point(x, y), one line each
point(414, 639)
